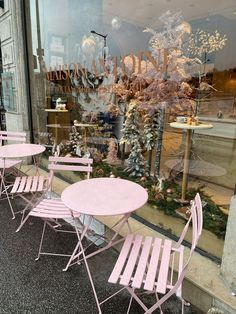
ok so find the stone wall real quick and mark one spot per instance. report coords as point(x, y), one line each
point(14, 60)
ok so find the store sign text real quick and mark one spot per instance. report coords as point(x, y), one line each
point(66, 71)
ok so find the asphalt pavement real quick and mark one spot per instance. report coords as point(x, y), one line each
point(29, 286)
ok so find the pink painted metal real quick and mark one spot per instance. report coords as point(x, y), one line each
point(50, 209)
point(12, 136)
point(104, 196)
point(8, 136)
point(21, 184)
point(21, 150)
point(148, 263)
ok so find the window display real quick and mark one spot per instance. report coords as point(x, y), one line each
point(114, 77)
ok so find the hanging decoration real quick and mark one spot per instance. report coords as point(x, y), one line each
point(116, 23)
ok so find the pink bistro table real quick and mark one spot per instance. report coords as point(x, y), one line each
point(102, 197)
point(17, 151)
point(20, 150)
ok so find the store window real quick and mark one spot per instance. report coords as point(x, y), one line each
point(123, 81)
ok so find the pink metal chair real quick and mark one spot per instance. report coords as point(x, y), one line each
point(9, 164)
point(50, 209)
point(147, 263)
point(24, 186)
point(8, 136)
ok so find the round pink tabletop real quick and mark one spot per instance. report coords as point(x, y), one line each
point(104, 196)
point(20, 150)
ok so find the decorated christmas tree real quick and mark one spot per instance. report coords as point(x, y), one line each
point(132, 135)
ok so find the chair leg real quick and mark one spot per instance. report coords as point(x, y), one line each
point(22, 223)
point(41, 241)
point(184, 303)
point(77, 251)
point(88, 271)
point(24, 211)
point(157, 298)
point(3, 188)
point(130, 301)
point(9, 202)
point(131, 291)
point(72, 257)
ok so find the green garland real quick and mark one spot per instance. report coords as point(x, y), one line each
point(214, 219)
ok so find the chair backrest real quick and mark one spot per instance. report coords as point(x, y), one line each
point(197, 222)
point(12, 136)
point(69, 164)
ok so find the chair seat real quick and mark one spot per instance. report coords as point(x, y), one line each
point(52, 208)
point(8, 163)
point(146, 262)
point(28, 184)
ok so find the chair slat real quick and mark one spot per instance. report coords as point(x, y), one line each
point(13, 138)
point(51, 204)
point(52, 201)
point(70, 168)
point(152, 269)
point(9, 133)
point(142, 264)
point(71, 160)
point(28, 184)
point(164, 267)
point(52, 209)
point(55, 215)
point(126, 276)
point(34, 184)
point(121, 260)
point(40, 183)
point(22, 184)
point(16, 185)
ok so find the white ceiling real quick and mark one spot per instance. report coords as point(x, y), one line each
point(146, 12)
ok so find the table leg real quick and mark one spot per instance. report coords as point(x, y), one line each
point(3, 188)
point(88, 270)
point(56, 129)
point(113, 241)
point(85, 140)
point(186, 164)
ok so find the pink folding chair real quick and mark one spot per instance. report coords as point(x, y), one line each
point(147, 263)
point(51, 209)
point(29, 188)
point(6, 164)
point(8, 136)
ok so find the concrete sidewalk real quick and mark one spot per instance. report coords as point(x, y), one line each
point(27, 286)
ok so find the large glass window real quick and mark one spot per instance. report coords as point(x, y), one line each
point(154, 106)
